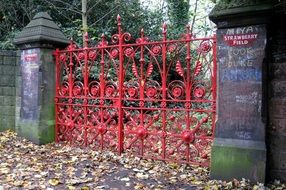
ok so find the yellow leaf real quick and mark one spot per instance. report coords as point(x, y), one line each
point(70, 187)
point(18, 183)
point(255, 187)
point(85, 188)
point(173, 165)
point(54, 182)
point(139, 186)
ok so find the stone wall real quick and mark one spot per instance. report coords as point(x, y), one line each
point(9, 69)
point(276, 137)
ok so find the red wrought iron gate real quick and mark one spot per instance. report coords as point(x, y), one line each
point(154, 99)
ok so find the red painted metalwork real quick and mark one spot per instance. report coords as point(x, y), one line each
point(155, 99)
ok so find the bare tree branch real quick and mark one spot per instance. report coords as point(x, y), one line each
point(56, 8)
point(75, 9)
point(68, 6)
point(194, 17)
point(89, 9)
point(105, 15)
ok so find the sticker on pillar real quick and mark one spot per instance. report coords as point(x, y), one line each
point(241, 36)
point(30, 84)
point(32, 57)
point(240, 39)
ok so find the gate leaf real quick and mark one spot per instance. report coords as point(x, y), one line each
point(179, 69)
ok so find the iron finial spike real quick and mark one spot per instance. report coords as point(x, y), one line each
point(118, 19)
point(86, 34)
point(188, 28)
point(85, 38)
point(119, 24)
point(102, 37)
point(164, 27)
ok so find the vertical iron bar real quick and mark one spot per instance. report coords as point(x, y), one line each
point(164, 90)
point(141, 87)
point(102, 88)
point(85, 101)
point(70, 123)
point(189, 84)
point(120, 80)
point(57, 77)
point(188, 81)
point(214, 84)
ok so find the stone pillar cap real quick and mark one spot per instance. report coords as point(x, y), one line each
point(41, 29)
point(234, 14)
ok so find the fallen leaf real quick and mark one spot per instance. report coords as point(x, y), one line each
point(142, 176)
point(125, 179)
point(70, 187)
point(183, 176)
point(139, 186)
point(173, 165)
point(54, 182)
point(173, 179)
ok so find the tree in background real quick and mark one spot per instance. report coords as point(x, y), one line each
point(195, 13)
point(99, 17)
point(178, 14)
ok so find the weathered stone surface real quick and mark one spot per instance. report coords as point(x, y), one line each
point(37, 86)
point(278, 70)
point(277, 125)
point(239, 149)
point(240, 83)
point(238, 159)
point(41, 31)
point(276, 174)
point(276, 136)
point(277, 160)
point(36, 120)
point(278, 38)
point(277, 142)
point(235, 13)
point(278, 88)
point(277, 108)
point(7, 80)
point(8, 62)
point(7, 70)
point(7, 90)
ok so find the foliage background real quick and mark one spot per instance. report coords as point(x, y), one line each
point(135, 14)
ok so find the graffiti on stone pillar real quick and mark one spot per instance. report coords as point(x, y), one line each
point(240, 58)
point(30, 81)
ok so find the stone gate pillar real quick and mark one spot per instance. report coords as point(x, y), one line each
point(239, 149)
point(37, 42)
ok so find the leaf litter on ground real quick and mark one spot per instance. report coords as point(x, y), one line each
point(24, 165)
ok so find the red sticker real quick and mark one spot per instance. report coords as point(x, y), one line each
point(30, 57)
point(240, 39)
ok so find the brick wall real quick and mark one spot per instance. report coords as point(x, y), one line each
point(276, 137)
point(9, 67)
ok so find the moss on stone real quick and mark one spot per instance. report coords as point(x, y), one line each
point(228, 162)
point(47, 132)
point(234, 6)
point(227, 4)
point(29, 130)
